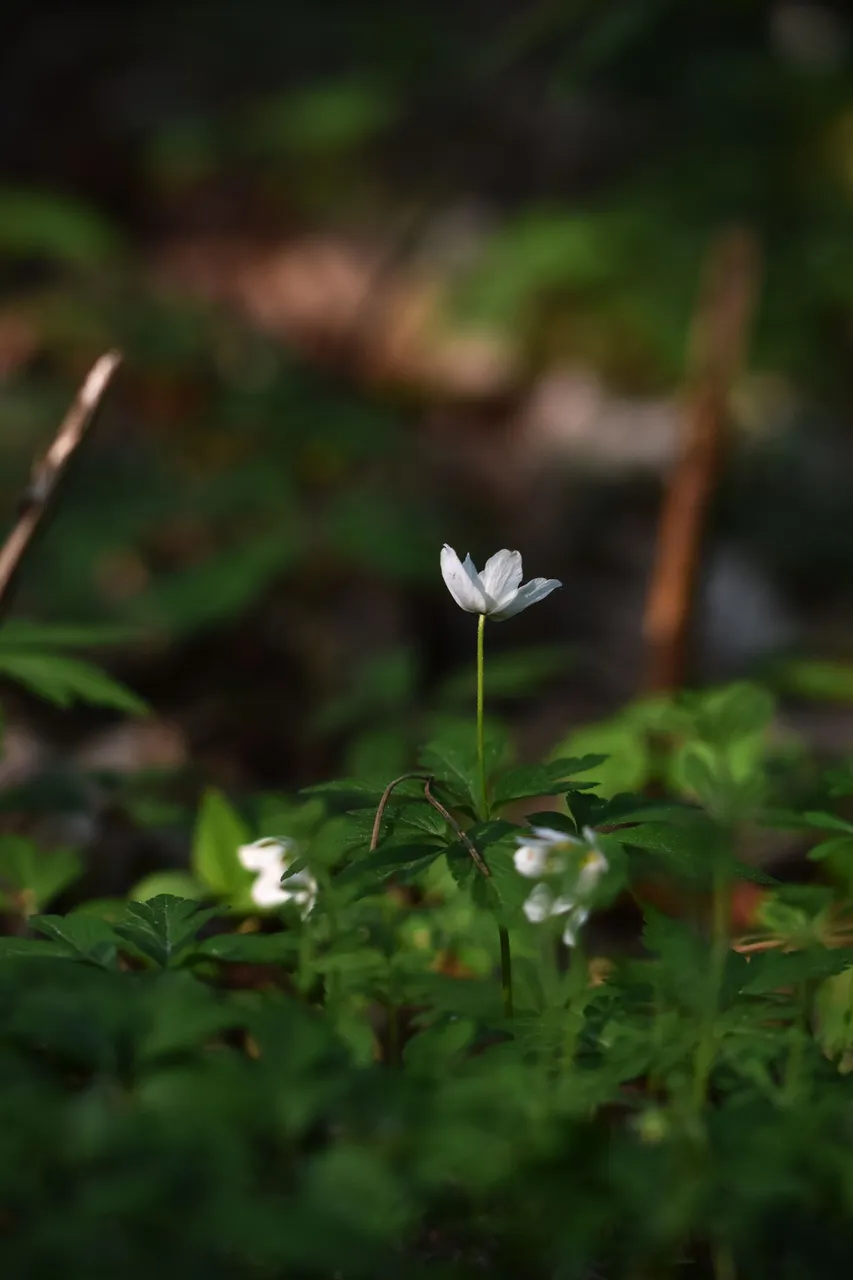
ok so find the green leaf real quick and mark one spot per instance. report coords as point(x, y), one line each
point(31, 877)
point(737, 711)
point(823, 681)
point(32, 949)
point(438, 1046)
point(838, 847)
point(398, 860)
point(82, 935)
point(247, 948)
point(772, 971)
point(54, 226)
point(163, 928)
point(219, 833)
point(64, 681)
point(828, 822)
point(20, 634)
point(541, 779)
point(423, 818)
point(178, 884)
point(179, 1014)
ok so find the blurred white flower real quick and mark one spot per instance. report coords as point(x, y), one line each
point(546, 853)
point(270, 858)
point(497, 591)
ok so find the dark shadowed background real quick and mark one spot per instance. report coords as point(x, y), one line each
point(387, 276)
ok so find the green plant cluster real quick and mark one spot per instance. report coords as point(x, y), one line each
point(200, 1084)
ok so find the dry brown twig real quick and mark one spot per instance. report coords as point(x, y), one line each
point(427, 780)
point(49, 470)
point(718, 344)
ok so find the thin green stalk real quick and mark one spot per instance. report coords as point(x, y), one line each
point(719, 953)
point(506, 970)
point(578, 995)
point(503, 933)
point(481, 737)
point(794, 1066)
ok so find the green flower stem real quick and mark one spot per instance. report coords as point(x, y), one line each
point(503, 932)
point(719, 953)
point(506, 970)
point(794, 1066)
point(578, 998)
point(481, 737)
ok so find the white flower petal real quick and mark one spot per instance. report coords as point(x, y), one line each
point(531, 860)
point(592, 869)
point(531, 593)
point(501, 578)
point(539, 905)
point(261, 854)
point(462, 581)
point(574, 924)
point(550, 836)
point(267, 891)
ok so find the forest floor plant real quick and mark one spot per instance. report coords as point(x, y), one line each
point(374, 1032)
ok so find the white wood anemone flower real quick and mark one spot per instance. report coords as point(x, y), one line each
point(553, 853)
point(270, 858)
point(497, 592)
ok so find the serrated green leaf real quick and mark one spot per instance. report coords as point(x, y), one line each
point(84, 936)
point(163, 927)
point(541, 779)
point(774, 970)
point(422, 817)
point(405, 858)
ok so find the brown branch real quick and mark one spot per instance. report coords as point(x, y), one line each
point(479, 863)
point(48, 472)
point(426, 779)
point(718, 343)
point(383, 802)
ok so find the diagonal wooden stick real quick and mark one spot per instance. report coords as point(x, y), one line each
point(718, 343)
point(48, 472)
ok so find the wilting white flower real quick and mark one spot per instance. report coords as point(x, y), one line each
point(547, 852)
point(270, 858)
point(497, 591)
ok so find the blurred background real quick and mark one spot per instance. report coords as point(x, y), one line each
point(387, 276)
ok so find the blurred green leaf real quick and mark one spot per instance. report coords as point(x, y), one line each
point(52, 225)
point(219, 833)
point(163, 927)
point(65, 681)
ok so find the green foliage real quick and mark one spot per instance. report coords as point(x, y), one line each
point(51, 226)
point(32, 655)
point(30, 878)
point(219, 832)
